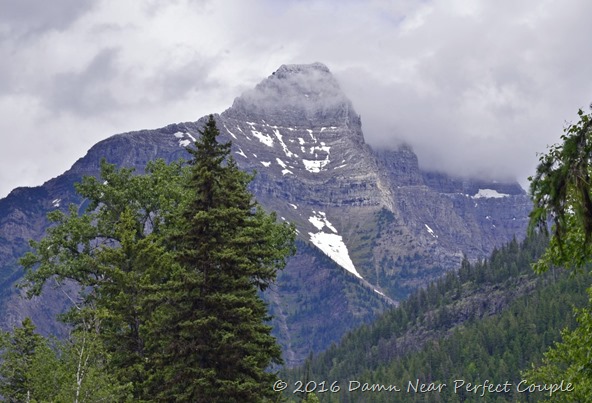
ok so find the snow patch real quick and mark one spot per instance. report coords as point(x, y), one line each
point(56, 203)
point(378, 292)
point(241, 152)
point(281, 163)
point(288, 153)
point(332, 245)
point(293, 206)
point(266, 164)
point(287, 171)
point(231, 133)
point(315, 166)
point(431, 231)
point(262, 137)
point(489, 193)
point(184, 142)
point(320, 221)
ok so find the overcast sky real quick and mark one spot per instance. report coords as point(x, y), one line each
point(476, 87)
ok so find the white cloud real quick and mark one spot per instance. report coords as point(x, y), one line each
point(473, 86)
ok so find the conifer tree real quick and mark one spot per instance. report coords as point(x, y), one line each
point(169, 267)
point(17, 353)
point(210, 339)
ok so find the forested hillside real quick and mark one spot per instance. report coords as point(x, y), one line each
point(484, 324)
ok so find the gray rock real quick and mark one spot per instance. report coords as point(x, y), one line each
point(387, 226)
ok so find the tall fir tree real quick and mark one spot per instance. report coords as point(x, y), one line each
point(169, 266)
point(210, 339)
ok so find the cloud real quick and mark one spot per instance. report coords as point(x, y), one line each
point(86, 92)
point(477, 91)
point(295, 95)
point(475, 87)
point(24, 18)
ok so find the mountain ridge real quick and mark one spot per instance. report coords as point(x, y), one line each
point(386, 226)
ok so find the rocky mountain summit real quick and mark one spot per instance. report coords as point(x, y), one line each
point(372, 225)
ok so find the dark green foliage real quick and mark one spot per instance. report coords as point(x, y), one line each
point(561, 191)
point(18, 351)
point(489, 320)
point(35, 369)
point(213, 343)
point(569, 360)
point(115, 253)
point(168, 267)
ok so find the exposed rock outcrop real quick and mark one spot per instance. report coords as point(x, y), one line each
point(385, 226)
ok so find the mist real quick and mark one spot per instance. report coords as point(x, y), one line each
point(474, 87)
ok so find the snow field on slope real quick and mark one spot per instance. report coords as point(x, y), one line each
point(489, 193)
point(331, 245)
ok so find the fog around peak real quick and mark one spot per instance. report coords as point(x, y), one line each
point(296, 95)
point(474, 87)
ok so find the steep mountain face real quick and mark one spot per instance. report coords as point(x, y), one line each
point(372, 225)
point(452, 216)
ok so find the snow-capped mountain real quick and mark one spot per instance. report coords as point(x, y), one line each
point(372, 225)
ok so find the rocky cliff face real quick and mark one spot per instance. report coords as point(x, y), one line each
point(372, 226)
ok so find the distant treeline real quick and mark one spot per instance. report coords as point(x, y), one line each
point(484, 324)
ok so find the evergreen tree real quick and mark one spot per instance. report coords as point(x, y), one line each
point(169, 266)
point(209, 337)
point(17, 353)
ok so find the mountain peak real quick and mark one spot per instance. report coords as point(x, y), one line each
point(297, 94)
point(390, 226)
point(287, 69)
